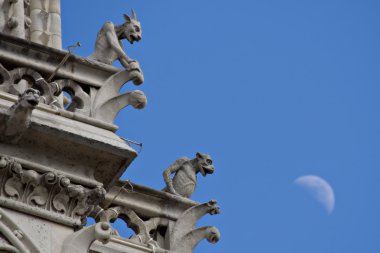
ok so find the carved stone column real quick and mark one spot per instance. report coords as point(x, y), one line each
point(46, 22)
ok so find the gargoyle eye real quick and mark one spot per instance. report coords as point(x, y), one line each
point(137, 29)
point(209, 162)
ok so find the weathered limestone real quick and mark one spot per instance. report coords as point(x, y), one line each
point(16, 120)
point(108, 102)
point(14, 239)
point(81, 240)
point(186, 170)
point(94, 154)
point(29, 191)
point(18, 53)
point(60, 159)
point(160, 220)
point(108, 46)
point(102, 100)
point(35, 20)
point(14, 18)
point(45, 26)
point(184, 236)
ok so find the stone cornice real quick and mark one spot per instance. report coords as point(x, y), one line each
point(48, 195)
point(146, 201)
point(108, 156)
point(45, 59)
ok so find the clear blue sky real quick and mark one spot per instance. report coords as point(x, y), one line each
point(273, 90)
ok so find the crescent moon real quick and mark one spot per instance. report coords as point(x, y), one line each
point(319, 189)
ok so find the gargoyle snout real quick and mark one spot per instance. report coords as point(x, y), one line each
point(213, 235)
point(31, 97)
point(138, 99)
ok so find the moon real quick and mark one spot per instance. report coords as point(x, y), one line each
point(319, 189)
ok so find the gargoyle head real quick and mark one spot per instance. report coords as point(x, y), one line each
point(30, 98)
point(131, 28)
point(205, 164)
point(138, 99)
point(213, 235)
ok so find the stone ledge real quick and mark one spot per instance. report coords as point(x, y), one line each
point(20, 52)
point(72, 147)
point(118, 244)
point(147, 202)
point(64, 113)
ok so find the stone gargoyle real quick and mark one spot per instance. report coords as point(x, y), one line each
point(108, 102)
point(108, 45)
point(184, 236)
point(16, 120)
point(185, 179)
point(180, 236)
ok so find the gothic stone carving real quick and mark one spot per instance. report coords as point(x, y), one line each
point(184, 236)
point(81, 240)
point(180, 236)
point(12, 238)
point(108, 45)
point(18, 80)
point(16, 120)
point(108, 102)
point(132, 221)
point(48, 191)
point(103, 104)
point(186, 170)
point(80, 100)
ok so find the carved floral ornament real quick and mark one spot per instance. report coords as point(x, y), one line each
point(48, 191)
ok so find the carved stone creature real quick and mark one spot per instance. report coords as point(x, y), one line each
point(180, 236)
point(108, 111)
point(18, 80)
point(17, 118)
point(108, 102)
point(184, 236)
point(186, 170)
point(108, 45)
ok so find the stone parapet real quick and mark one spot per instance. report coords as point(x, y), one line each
point(147, 202)
point(22, 53)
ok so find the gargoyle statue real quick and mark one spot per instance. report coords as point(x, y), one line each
point(16, 120)
point(108, 45)
point(185, 178)
point(184, 236)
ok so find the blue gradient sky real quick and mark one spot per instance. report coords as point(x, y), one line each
point(273, 90)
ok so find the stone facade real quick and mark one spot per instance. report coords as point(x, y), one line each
point(60, 159)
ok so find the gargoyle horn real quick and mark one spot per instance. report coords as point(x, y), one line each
point(134, 15)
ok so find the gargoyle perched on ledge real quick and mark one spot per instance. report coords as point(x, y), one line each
point(186, 170)
point(108, 45)
point(16, 120)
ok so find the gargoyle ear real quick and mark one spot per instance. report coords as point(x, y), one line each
point(127, 18)
point(199, 155)
point(134, 15)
